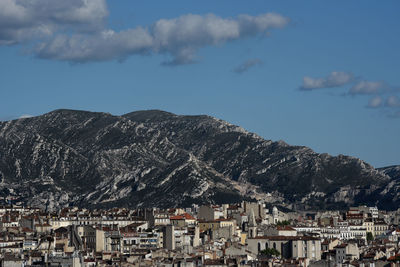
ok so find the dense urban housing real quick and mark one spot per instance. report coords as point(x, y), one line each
point(243, 234)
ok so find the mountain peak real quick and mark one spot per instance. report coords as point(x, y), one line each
point(149, 115)
point(75, 112)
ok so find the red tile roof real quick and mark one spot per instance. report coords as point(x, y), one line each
point(184, 216)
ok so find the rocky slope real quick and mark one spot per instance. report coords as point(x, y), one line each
point(391, 171)
point(155, 158)
point(389, 195)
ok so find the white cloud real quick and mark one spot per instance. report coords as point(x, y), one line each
point(375, 102)
point(391, 105)
point(368, 88)
point(23, 21)
point(334, 79)
point(75, 31)
point(106, 45)
point(179, 37)
point(393, 101)
point(378, 89)
point(245, 66)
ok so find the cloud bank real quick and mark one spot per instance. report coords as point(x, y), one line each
point(393, 101)
point(368, 88)
point(26, 20)
point(334, 79)
point(75, 31)
point(383, 95)
point(180, 38)
point(375, 102)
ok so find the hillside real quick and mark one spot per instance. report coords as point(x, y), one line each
point(156, 158)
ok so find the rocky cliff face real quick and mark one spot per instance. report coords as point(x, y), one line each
point(155, 158)
point(389, 195)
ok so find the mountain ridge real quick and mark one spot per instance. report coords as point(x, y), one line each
point(69, 157)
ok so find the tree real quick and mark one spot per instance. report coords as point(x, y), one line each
point(370, 237)
point(270, 252)
point(283, 223)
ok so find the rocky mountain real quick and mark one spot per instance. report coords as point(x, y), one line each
point(389, 195)
point(156, 158)
point(391, 171)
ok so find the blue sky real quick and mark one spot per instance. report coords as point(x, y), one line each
point(314, 73)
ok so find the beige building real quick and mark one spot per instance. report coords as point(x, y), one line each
point(369, 226)
point(93, 239)
point(288, 246)
point(346, 252)
point(209, 213)
point(329, 244)
point(100, 240)
point(258, 209)
point(281, 231)
point(380, 228)
point(183, 220)
point(217, 224)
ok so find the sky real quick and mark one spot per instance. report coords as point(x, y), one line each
point(320, 74)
